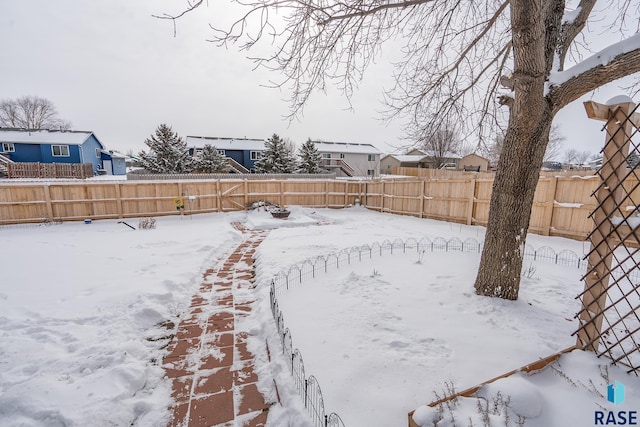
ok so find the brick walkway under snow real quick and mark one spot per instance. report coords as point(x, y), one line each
point(214, 383)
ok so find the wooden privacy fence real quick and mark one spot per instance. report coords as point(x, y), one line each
point(561, 205)
point(448, 174)
point(49, 170)
point(205, 176)
point(39, 202)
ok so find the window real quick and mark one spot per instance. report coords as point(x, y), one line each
point(371, 158)
point(60, 150)
point(342, 155)
point(222, 152)
point(98, 153)
point(8, 147)
point(255, 155)
point(371, 172)
point(326, 155)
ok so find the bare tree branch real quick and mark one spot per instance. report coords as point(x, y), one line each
point(592, 78)
point(571, 29)
point(191, 6)
point(371, 10)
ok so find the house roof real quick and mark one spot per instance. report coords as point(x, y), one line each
point(114, 154)
point(433, 153)
point(345, 147)
point(407, 158)
point(445, 155)
point(44, 136)
point(226, 143)
point(475, 155)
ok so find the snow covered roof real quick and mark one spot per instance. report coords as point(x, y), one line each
point(476, 155)
point(226, 143)
point(114, 154)
point(445, 155)
point(407, 158)
point(345, 147)
point(44, 136)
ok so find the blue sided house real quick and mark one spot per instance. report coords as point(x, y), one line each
point(241, 153)
point(58, 146)
point(113, 163)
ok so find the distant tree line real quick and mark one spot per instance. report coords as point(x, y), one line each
point(31, 112)
point(168, 153)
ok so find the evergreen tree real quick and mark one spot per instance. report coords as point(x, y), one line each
point(277, 158)
point(211, 161)
point(310, 158)
point(168, 153)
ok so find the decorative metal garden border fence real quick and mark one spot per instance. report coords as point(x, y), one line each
point(308, 387)
point(310, 268)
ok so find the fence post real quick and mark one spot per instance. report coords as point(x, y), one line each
point(423, 196)
point(281, 193)
point(365, 199)
point(119, 200)
point(471, 200)
point(47, 200)
point(218, 197)
point(245, 189)
point(549, 202)
point(346, 194)
point(326, 194)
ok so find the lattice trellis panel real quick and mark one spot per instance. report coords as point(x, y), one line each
point(609, 319)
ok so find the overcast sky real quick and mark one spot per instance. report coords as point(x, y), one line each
point(111, 68)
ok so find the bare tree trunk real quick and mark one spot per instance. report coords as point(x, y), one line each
point(511, 202)
point(521, 158)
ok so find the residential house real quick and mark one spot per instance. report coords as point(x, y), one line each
point(435, 160)
point(349, 159)
point(51, 146)
point(241, 153)
point(391, 161)
point(473, 162)
point(113, 163)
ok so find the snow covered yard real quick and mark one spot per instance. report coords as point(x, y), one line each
point(383, 335)
point(81, 307)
